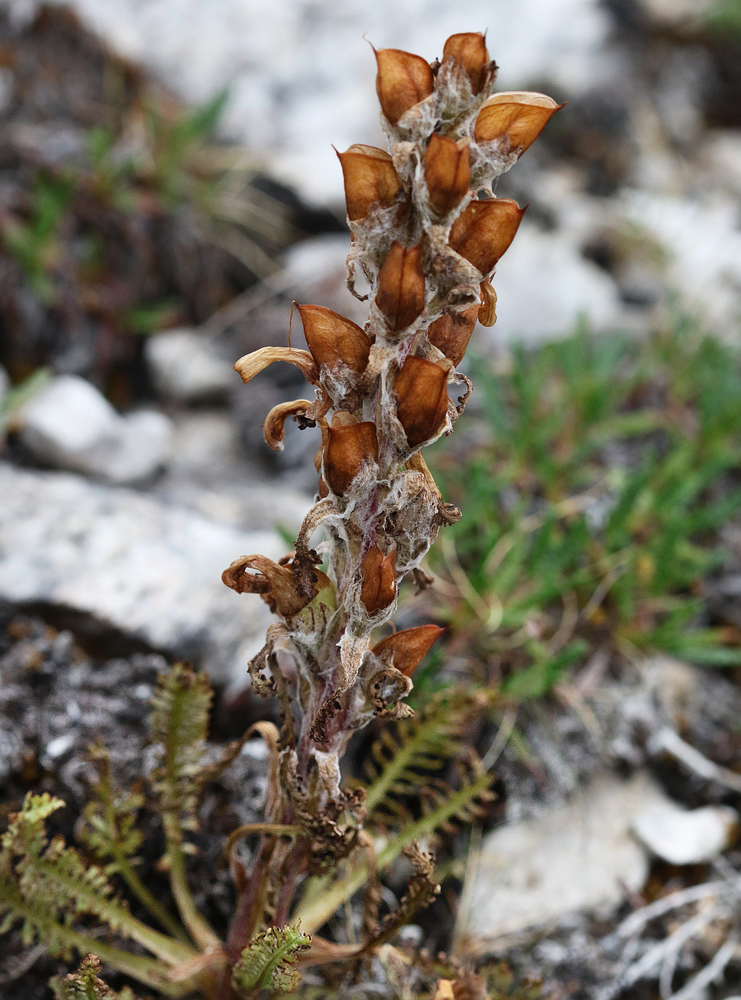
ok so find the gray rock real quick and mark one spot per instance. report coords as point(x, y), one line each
point(126, 562)
point(70, 425)
point(210, 473)
point(186, 368)
point(577, 856)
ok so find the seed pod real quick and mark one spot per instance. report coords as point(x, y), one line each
point(403, 80)
point(447, 172)
point(334, 340)
point(370, 180)
point(378, 571)
point(488, 308)
point(484, 231)
point(401, 287)
point(452, 332)
point(348, 449)
point(469, 51)
point(405, 650)
point(421, 395)
point(518, 117)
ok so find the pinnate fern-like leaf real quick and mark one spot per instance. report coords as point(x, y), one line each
point(109, 828)
point(47, 884)
point(86, 984)
point(268, 962)
point(179, 723)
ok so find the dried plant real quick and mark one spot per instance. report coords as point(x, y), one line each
point(427, 235)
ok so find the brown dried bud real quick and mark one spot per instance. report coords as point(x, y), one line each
point(378, 572)
point(403, 80)
point(488, 308)
point(468, 50)
point(252, 364)
point(348, 449)
point(447, 172)
point(401, 287)
point(452, 332)
point(334, 340)
point(484, 231)
point(405, 650)
point(274, 427)
point(278, 585)
point(518, 116)
point(421, 394)
point(370, 180)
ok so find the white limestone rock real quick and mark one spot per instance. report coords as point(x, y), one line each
point(686, 837)
point(186, 368)
point(575, 857)
point(70, 425)
point(123, 561)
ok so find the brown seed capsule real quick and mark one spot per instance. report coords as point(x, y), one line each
point(334, 340)
point(488, 308)
point(468, 49)
point(484, 231)
point(348, 449)
point(401, 287)
point(447, 172)
point(452, 332)
point(405, 650)
point(519, 117)
point(378, 572)
point(370, 180)
point(421, 395)
point(403, 80)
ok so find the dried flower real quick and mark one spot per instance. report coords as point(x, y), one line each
point(422, 398)
point(451, 333)
point(469, 51)
point(403, 80)
point(378, 575)
point(447, 172)
point(370, 180)
point(484, 231)
point(401, 287)
point(406, 649)
point(517, 117)
point(334, 340)
point(350, 445)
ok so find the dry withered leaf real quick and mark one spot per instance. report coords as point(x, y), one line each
point(348, 449)
point(370, 180)
point(277, 584)
point(334, 340)
point(378, 573)
point(517, 116)
point(403, 80)
point(484, 230)
point(447, 172)
point(274, 426)
point(406, 649)
point(401, 287)
point(468, 49)
point(252, 364)
point(421, 394)
point(488, 308)
point(452, 332)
